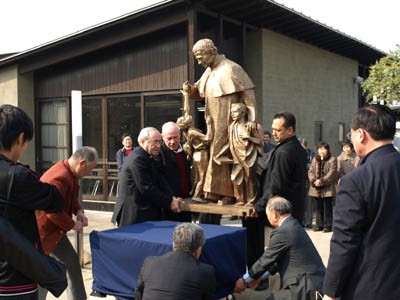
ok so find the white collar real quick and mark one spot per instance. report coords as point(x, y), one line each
point(179, 150)
point(283, 220)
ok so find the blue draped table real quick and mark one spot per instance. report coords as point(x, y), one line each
point(118, 255)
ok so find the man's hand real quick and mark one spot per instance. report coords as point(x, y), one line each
point(254, 214)
point(176, 204)
point(78, 226)
point(255, 283)
point(328, 298)
point(80, 216)
point(240, 285)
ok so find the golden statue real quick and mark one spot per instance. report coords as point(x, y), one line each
point(196, 147)
point(245, 144)
point(224, 82)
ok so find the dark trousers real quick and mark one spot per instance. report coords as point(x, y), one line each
point(324, 212)
point(206, 218)
point(255, 238)
point(32, 296)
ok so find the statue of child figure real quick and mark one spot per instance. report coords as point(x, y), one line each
point(245, 144)
point(196, 148)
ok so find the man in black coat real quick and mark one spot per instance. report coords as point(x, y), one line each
point(178, 275)
point(143, 193)
point(175, 167)
point(287, 168)
point(291, 252)
point(364, 255)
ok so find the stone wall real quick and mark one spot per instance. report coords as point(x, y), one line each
point(18, 90)
point(314, 84)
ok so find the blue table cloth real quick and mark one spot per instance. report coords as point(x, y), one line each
point(118, 255)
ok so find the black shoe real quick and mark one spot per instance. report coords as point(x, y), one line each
point(263, 285)
point(317, 229)
point(327, 229)
point(97, 294)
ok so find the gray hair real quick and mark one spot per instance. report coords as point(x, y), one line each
point(303, 141)
point(145, 133)
point(205, 46)
point(280, 205)
point(168, 125)
point(188, 237)
point(85, 153)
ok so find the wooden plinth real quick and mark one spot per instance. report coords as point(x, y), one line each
point(214, 208)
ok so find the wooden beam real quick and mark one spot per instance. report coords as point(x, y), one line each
point(214, 208)
point(97, 39)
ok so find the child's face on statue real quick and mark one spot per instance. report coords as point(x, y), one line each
point(236, 113)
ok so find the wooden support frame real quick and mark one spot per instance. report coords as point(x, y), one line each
point(214, 208)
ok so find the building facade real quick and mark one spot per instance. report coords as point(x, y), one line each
point(130, 71)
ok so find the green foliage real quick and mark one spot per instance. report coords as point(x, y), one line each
point(384, 79)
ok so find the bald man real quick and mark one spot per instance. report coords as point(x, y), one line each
point(175, 167)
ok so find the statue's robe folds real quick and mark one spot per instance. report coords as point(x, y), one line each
point(221, 85)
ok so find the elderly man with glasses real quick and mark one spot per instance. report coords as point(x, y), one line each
point(144, 193)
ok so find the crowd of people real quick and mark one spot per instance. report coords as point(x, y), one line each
point(355, 195)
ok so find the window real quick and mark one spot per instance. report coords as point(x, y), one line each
point(159, 109)
point(318, 129)
point(53, 132)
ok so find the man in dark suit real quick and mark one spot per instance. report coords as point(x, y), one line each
point(287, 168)
point(143, 191)
point(175, 167)
point(178, 275)
point(364, 255)
point(291, 252)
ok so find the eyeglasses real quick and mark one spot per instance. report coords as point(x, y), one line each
point(348, 136)
point(155, 142)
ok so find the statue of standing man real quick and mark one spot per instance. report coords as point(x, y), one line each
point(224, 82)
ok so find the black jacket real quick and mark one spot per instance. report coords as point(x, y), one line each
point(364, 256)
point(27, 195)
point(286, 177)
point(121, 156)
point(175, 276)
point(143, 191)
point(169, 168)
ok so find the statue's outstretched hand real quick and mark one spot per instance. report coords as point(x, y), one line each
point(186, 87)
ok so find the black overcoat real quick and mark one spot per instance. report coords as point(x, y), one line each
point(364, 256)
point(143, 192)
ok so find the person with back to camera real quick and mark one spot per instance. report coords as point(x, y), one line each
point(178, 275)
point(364, 252)
point(323, 175)
point(27, 194)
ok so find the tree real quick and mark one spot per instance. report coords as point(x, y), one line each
point(383, 82)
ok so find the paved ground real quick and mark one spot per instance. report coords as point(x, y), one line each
point(101, 221)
